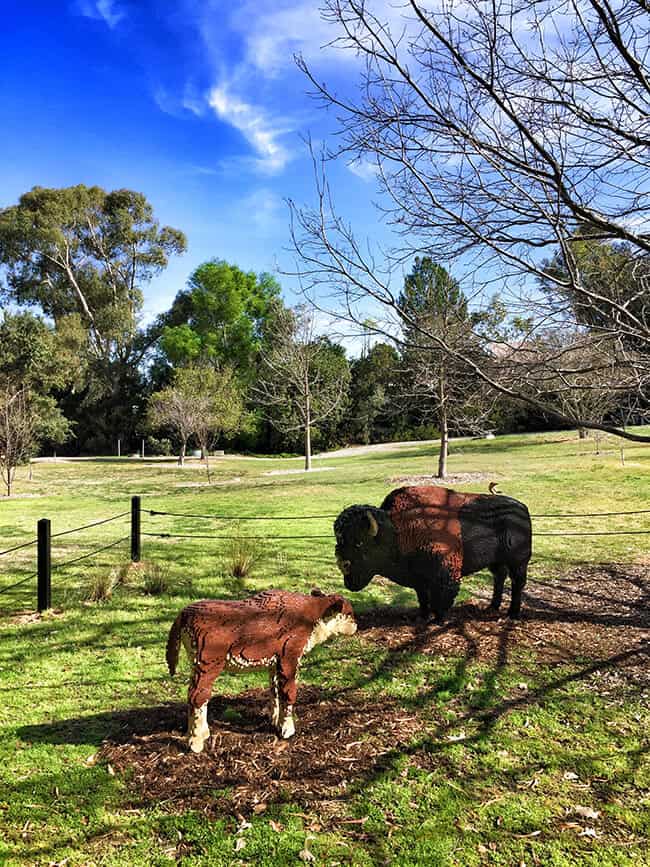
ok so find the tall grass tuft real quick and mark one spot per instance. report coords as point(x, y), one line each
point(241, 555)
point(101, 586)
point(155, 579)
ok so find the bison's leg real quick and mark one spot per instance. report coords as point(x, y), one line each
point(424, 600)
point(518, 576)
point(446, 589)
point(499, 571)
point(198, 697)
point(288, 689)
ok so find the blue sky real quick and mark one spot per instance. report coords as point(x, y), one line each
point(196, 103)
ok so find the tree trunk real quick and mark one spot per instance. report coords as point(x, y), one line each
point(583, 433)
point(444, 447)
point(206, 457)
point(307, 428)
point(444, 431)
point(181, 457)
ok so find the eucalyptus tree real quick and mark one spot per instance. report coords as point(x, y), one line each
point(82, 255)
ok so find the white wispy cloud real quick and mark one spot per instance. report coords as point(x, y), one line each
point(364, 169)
point(273, 32)
point(259, 130)
point(107, 11)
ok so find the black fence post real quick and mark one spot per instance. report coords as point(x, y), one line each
point(135, 529)
point(44, 564)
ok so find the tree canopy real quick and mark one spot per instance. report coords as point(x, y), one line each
point(219, 317)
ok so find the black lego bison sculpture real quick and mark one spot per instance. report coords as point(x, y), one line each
point(427, 537)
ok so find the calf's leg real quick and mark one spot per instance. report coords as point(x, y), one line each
point(274, 677)
point(198, 697)
point(288, 690)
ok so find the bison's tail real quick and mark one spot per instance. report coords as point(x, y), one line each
point(173, 645)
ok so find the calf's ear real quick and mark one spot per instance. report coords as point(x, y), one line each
point(335, 606)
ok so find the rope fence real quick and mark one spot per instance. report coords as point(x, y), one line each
point(45, 567)
point(91, 553)
point(44, 537)
point(244, 517)
point(87, 526)
point(18, 583)
point(155, 512)
point(18, 547)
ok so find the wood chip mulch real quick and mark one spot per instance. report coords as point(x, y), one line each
point(598, 613)
point(591, 612)
point(244, 766)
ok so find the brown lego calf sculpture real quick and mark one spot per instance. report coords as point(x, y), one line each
point(273, 630)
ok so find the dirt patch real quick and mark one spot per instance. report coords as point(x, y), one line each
point(234, 481)
point(297, 471)
point(22, 618)
point(593, 613)
point(453, 479)
point(244, 766)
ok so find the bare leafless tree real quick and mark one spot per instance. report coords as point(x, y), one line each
point(497, 132)
point(201, 402)
point(300, 383)
point(26, 418)
point(16, 432)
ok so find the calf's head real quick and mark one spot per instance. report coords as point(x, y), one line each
point(337, 618)
point(364, 542)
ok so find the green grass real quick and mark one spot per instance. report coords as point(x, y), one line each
point(487, 779)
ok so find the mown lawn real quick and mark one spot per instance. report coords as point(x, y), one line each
point(482, 743)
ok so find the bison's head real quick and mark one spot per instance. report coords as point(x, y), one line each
point(364, 540)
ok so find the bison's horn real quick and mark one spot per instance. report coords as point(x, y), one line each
point(374, 526)
point(492, 487)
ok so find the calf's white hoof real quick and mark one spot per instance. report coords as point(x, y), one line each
point(197, 744)
point(288, 729)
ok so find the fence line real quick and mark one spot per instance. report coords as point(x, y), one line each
point(86, 526)
point(211, 536)
point(18, 547)
point(318, 517)
point(18, 583)
point(243, 517)
point(602, 533)
point(593, 514)
point(91, 553)
point(44, 537)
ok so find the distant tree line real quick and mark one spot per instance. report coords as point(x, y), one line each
point(229, 365)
